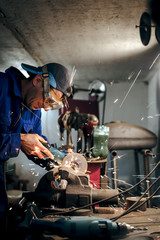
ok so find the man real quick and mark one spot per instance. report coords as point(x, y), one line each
point(21, 99)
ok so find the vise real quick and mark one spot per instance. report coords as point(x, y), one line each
point(63, 187)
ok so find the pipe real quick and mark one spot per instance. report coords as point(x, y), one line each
point(115, 172)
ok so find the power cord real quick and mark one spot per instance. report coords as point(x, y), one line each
point(135, 206)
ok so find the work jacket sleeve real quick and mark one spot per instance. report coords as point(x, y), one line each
point(9, 146)
point(9, 143)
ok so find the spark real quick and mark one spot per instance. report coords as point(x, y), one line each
point(45, 124)
point(37, 174)
point(140, 211)
point(150, 219)
point(154, 61)
point(156, 196)
point(157, 115)
point(120, 156)
point(150, 117)
point(130, 88)
point(111, 83)
point(142, 176)
point(130, 75)
point(73, 74)
point(116, 100)
point(149, 105)
point(122, 181)
point(110, 169)
point(112, 147)
point(142, 118)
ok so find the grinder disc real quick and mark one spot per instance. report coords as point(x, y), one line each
point(75, 161)
point(145, 28)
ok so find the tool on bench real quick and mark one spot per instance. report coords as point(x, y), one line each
point(87, 227)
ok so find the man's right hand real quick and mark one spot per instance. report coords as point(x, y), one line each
point(32, 144)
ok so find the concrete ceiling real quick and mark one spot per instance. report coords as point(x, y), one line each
point(98, 37)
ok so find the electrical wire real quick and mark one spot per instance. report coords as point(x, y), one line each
point(73, 209)
point(135, 206)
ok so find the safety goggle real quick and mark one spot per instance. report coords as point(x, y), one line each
point(52, 101)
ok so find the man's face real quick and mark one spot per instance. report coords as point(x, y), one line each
point(34, 98)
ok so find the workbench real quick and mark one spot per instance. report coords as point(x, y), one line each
point(149, 219)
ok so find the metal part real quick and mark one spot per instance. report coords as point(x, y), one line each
point(145, 28)
point(76, 192)
point(115, 172)
point(147, 153)
point(81, 122)
point(129, 136)
point(132, 200)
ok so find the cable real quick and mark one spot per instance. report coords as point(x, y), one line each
point(133, 207)
point(105, 199)
point(114, 219)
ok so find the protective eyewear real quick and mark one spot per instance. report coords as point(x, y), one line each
point(52, 101)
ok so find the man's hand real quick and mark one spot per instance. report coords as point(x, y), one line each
point(31, 144)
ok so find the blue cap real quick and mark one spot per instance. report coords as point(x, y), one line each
point(59, 76)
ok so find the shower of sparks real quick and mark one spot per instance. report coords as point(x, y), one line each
point(130, 88)
point(116, 100)
point(154, 61)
